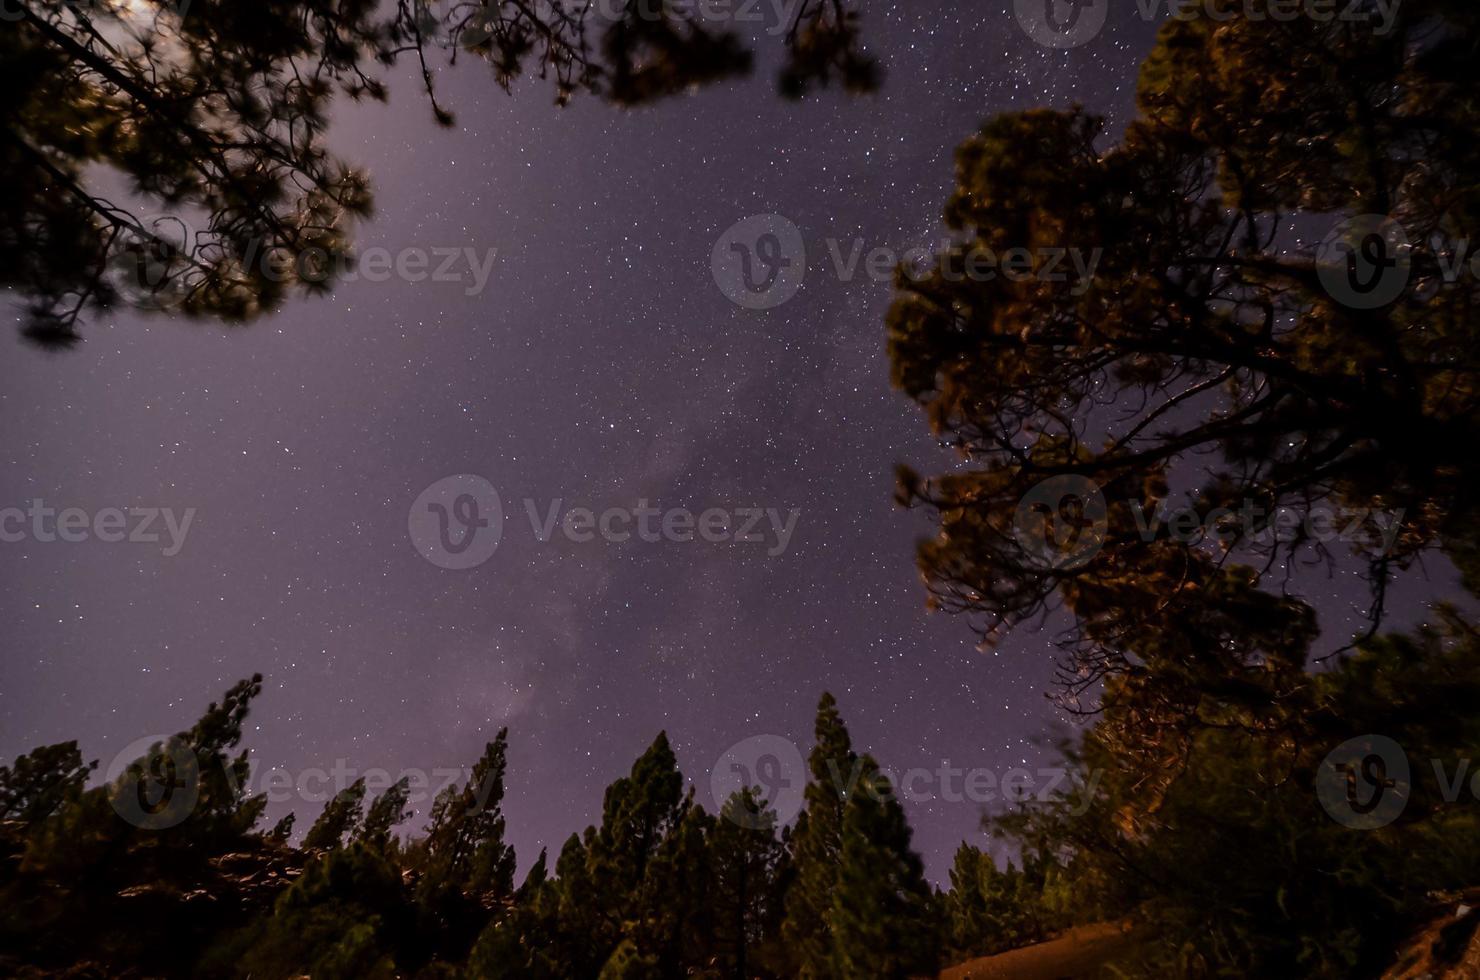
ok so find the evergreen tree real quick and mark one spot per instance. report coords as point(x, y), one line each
point(990, 909)
point(628, 963)
point(639, 813)
point(79, 877)
point(747, 862)
point(525, 943)
point(675, 900)
point(534, 880)
point(340, 819)
point(635, 894)
point(465, 835)
point(388, 810)
point(41, 782)
point(817, 845)
point(346, 918)
point(584, 927)
point(1206, 330)
point(1228, 866)
point(283, 829)
point(882, 922)
point(222, 807)
point(468, 874)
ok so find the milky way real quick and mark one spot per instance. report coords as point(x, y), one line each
point(598, 365)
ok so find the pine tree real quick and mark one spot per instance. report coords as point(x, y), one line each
point(584, 928)
point(639, 813)
point(627, 962)
point(66, 903)
point(388, 810)
point(346, 918)
point(339, 820)
point(468, 875)
point(817, 845)
point(283, 829)
point(991, 909)
point(746, 860)
point(42, 781)
point(524, 944)
point(222, 808)
point(1256, 372)
point(882, 923)
point(675, 900)
point(465, 836)
point(632, 894)
point(534, 880)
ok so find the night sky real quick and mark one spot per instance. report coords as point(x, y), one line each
point(600, 365)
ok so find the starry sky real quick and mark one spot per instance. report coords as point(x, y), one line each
point(600, 365)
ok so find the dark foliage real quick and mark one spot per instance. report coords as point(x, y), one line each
point(209, 118)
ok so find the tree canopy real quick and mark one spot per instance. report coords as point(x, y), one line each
point(1213, 353)
point(659, 888)
point(210, 116)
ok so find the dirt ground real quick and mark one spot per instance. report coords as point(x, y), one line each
point(1078, 953)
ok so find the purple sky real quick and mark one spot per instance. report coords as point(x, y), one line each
point(600, 365)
